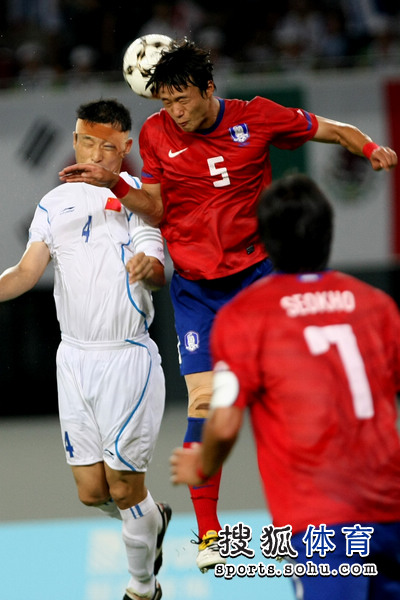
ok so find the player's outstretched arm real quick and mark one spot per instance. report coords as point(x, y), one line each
point(146, 202)
point(146, 269)
point(357, 142)
point(20, 278)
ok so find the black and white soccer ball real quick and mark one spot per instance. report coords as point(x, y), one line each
point(143, 54)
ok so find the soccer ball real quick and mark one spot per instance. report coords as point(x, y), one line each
point(143, 54)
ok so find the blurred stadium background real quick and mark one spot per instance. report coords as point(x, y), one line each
point(337, 58)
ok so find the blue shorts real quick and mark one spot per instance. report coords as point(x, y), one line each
point(384, 552)
point(195, 305)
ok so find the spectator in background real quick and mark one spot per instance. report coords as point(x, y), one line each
point(213, 38)
point(333, 46)
point(8, 67)
point(39, 22)
point(293, 34)
point(34, 69)
point(83, 63)
point(298, 35)
point(384, 49)
point(162, 21)
point(362, 18)
point(90, 23)
point(34, 16)
point(260, 53)
point(176, 19)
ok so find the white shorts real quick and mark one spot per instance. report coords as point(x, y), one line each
point(111, 402)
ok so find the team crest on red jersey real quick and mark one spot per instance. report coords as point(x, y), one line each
point(239, 133)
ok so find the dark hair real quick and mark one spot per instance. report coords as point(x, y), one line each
point(296, 224)
point(181, 65)
point(106, 111)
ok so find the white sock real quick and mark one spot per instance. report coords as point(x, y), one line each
point(110, 509)
point(140, 526)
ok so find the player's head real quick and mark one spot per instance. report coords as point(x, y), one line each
point(102, 133)
point(296, 224)
point(182, 65)
point(183, 81)
point(110, 112)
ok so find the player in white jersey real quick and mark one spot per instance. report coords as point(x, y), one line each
point(111, 385)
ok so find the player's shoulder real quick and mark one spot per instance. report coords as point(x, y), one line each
point(62, 192)
point(155, 119)
point(348, 280)
point(155, 129)
point(366, 298)
point(257, 108)
point(232, 104)
point(363, 289)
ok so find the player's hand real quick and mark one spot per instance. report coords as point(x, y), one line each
point(383, 158)
point(89, 173)
point(184, 465)
point(139, 267)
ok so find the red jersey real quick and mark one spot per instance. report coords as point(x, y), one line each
point(318, 362)
point(211, 181)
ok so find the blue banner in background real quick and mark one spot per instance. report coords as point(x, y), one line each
point(85, 560)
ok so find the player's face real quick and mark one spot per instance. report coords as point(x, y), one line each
point(189, 108)
point(108, 153)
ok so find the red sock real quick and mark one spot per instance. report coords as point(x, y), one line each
point(205, 499)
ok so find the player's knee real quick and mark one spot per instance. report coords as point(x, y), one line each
point(93, 493)
point(120, 493)
point(92, 497)
point(127, 493)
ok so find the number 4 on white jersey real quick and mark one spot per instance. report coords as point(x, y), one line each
point(319, 340)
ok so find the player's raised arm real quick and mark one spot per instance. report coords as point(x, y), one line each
point(357, 142)
point(146, 202)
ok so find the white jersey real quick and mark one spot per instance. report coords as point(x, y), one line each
point(91, 236)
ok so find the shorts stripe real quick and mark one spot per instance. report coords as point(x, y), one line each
point(136, 407)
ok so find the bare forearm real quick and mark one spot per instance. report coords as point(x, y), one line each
point(13, 284)
point(214, 454)
point(215, 448)
point(20, 278)
point(142, 204)
point(348, 136)
point(138, 200)
point(354, 140)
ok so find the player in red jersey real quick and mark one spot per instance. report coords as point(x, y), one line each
point(205, 163)
point(314, 354)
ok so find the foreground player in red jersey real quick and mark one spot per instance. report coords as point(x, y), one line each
point(205, 163)
point(316, 360)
